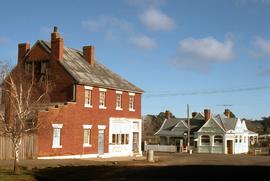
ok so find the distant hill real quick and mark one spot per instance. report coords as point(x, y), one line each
point(151, 124)
point(259, 126)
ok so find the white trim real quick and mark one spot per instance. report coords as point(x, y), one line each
point(88, 87)
point(133, 110)
point(87, 126)
point(102, 89)
point(102, 107)
point(88, 105)
point(57, 146)
point(87, 145)
point(119, 92)
point(119, 109)
point(131, 93)
point(60, 126)
point(101, 126)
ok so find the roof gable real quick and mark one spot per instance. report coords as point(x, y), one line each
point(212, 126)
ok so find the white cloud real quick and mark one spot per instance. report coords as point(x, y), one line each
point(263, 71)
point(262, 47)
point(143, 42)
point(146, 2)
point(107, 23)
point(154, 19)
point(200, 54)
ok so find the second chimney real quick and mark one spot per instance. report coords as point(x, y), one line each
point(207, 114)
point(167, 114)
point(57, 45)
point(88, 54)
point(193, 114)
point(227, 113)
point(23, 48)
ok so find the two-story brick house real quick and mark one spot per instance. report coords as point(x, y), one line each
point(95, 112)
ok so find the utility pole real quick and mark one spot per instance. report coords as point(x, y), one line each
point(188, 120)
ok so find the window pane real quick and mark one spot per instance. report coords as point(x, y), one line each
point(118, 100)
point(114, 139)
point(88, 97)
point(218, 140)
point(102, 98)
point(131, 102)
point(205, 139)
point(86, 137)
point(56, 136)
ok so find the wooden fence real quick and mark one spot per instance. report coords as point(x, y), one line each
point(28, 148)
point(161, 148)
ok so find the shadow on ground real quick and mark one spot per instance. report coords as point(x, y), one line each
point(81, 173)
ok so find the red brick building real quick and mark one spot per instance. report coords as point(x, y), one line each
point(95, 112)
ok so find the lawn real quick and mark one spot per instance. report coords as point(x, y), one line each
point(6, 175)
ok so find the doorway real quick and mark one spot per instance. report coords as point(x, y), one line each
point(135, 146)
point(229, 146)
point(101, 141)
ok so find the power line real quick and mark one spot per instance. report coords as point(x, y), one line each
point(173, 94)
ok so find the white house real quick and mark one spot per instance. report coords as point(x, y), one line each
point(223, 134)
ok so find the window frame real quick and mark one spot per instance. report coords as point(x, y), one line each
point(87, 127)
point(217, 138)
point(203, 143)
point(56, 144)
point(103, 105)
point(120, 108)
point(89, 89)
point(131, 102)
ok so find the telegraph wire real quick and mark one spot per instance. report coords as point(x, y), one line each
point(210, 92)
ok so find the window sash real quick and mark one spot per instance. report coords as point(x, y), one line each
point(118, 101)
point(86, 136)
point(56, 136)
point(131, 102)
point(102, 96)
point(205, 140)
point(120, 139)
point(88, 97)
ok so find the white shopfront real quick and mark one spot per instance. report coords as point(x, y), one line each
point(124, 136)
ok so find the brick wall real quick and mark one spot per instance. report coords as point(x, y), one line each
point(74, 115)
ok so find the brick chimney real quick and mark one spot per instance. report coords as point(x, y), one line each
point(167, 114)
point(23, 48)
point(57, 45)
point(227, 113)
point(193, 114)
point(88, 54)
point(207, 114)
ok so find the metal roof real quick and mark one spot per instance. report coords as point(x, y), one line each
point(92, 75)
point(176, 127)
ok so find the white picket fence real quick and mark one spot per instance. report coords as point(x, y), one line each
point(160, 148)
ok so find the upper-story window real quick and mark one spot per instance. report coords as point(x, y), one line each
point(102, 98)
point(119, 100)
point(131, 101)
point(88, 96)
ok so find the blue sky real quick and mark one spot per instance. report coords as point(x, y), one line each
point(203, 53)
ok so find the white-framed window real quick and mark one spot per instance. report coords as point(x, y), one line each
point(218, 140)
point(102, 98)
point(88, 96)
point(120, 139)
point(236, 139)
point(205, 140)
point(240, 139)
point(87, 135)
point(56, 140)
point(131, 101)
point(119, 100)
point(245, 139)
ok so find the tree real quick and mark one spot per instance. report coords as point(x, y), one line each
point(21, 93)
